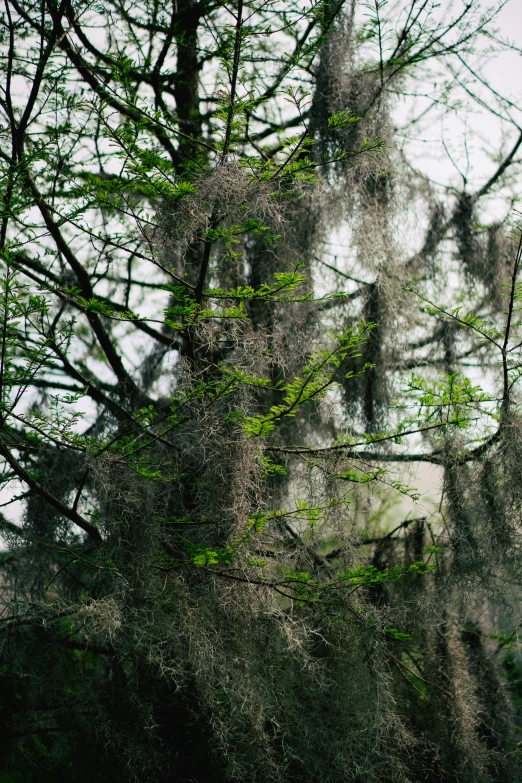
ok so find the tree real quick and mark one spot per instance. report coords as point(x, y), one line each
point(202, 412)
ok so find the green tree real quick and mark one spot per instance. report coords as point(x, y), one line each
point(203, 413)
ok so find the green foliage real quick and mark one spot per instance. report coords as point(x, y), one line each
point(321, 373)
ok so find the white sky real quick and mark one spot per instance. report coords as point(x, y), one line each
point(470, 126)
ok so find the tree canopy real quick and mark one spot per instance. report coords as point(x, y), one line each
point(236, 316)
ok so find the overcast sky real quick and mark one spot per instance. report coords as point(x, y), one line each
point(471, 133)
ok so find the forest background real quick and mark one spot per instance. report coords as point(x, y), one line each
point(260, 285)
